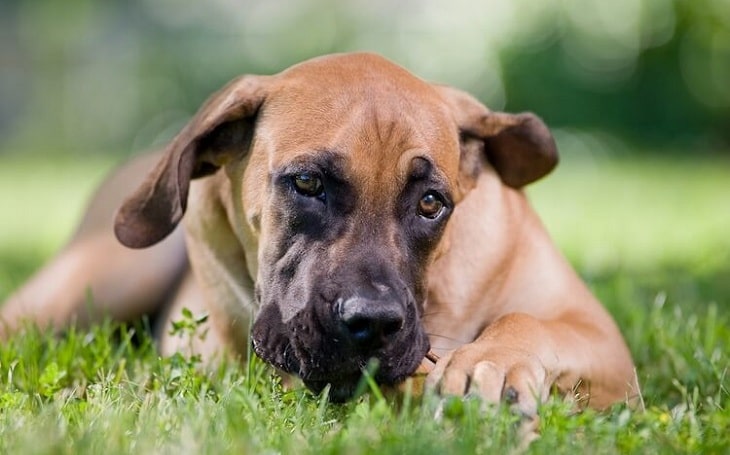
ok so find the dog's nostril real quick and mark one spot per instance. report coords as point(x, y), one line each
point(361, 330)
point(372, 331)
point(370, 323)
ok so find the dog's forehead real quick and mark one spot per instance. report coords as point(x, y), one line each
point(363, 107)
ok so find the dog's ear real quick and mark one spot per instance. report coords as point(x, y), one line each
point(220, 130)
point(520, 147)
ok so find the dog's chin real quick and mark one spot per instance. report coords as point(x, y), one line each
point(339, 392)
point(345, 386)
point(345, 376)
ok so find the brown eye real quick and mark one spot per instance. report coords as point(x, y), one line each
point(308, 185)
point(430, 206)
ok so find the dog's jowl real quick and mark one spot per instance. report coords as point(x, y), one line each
point(340, 212)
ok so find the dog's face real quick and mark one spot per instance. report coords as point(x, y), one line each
point(360, 183)
point(350, 168)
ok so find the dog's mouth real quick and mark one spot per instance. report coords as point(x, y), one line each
point(320, 358)
point(346, 377)
point(345, 385)
point(349, 379)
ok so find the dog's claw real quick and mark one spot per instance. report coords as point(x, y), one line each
point(511, 395)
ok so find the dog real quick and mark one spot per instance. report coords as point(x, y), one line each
point(341, 211)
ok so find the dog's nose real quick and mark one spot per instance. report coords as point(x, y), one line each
point(370, 323)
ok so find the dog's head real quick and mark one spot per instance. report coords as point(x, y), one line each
point(350, 168)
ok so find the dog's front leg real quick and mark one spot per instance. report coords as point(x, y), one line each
point(518, 359)
point(220, 273)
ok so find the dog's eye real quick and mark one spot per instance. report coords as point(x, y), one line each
point(308, 185)
point(430, 206)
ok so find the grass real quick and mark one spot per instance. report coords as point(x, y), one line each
point(651, 237)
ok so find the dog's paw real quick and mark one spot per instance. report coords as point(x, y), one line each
point(495, 374)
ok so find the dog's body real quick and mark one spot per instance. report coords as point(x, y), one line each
point(348, 211)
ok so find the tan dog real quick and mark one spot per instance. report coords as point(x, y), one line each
point(347, 210)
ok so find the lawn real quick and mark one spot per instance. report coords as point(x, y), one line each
point(651, 236)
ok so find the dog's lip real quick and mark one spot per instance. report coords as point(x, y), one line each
point(286, 361)
point(348, 375)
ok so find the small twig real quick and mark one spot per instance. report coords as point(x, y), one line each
point(430, 355)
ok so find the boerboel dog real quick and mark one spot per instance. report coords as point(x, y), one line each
point(340, 211)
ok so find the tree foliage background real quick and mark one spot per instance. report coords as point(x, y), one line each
point(93, 76)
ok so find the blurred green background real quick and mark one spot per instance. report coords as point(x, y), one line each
point(637, 93)
point(86, 76)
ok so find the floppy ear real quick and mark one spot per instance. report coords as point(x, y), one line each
point(520, 147)
point(219, 131)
